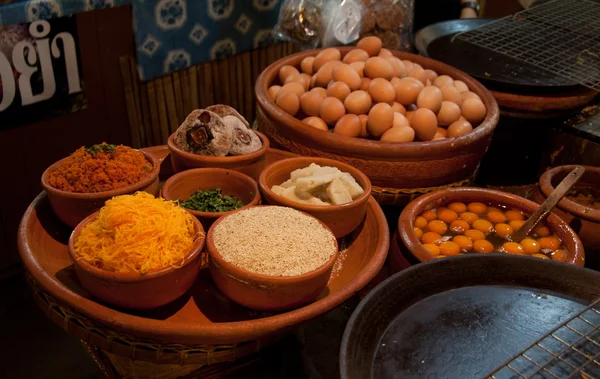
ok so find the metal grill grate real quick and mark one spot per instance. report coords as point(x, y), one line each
point(571, 350)
point(560, 36)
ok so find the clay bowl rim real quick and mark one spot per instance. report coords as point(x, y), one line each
point(127, 277)
point(145, 182)
point(221, 160)
point(412, 210)
point(370, 147)
point(241, 273)
point(567, 205)
point(208, 170)
point(357, 174)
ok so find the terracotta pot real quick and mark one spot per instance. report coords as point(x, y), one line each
point(134, 291)
point(341, 219)
point(232, 183)
point(396, 165)
point(71, 208)
point(182, 160)
point(584, 220)
point(558, 226)
point(264, 292)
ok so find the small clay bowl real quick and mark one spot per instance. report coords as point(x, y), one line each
point(264, 292)
point(182, 160)
point(182, 185)
point(72, 207)
point(341, 219)
point(558, 226)
point(134, 291)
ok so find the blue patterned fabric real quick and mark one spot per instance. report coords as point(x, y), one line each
point(174, 34)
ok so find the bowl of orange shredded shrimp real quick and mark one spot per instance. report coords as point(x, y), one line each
point(80, 184)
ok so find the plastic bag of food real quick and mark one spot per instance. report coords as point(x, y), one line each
point(300, 22)
point(390, 20)
point(341, 22)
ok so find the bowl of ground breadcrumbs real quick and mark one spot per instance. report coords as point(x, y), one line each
point(271, 258)
point(80, 184)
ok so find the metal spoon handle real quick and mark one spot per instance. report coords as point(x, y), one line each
point(555, 197)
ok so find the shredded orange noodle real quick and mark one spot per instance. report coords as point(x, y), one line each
point(137, 234)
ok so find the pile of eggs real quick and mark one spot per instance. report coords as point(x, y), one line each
point(372, 94)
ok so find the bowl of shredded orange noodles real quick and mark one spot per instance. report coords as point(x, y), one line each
point(138, 251)
point(79, 184)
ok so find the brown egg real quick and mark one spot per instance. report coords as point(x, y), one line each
point(442, 132)
point(307, 79)
point(459, 128)
point(431, 98)
point(313, 81)
point(326, 55)
point(372, 45)
point(397, 65)
point(473, 110)
point(428, 83)
point(294, 87)
point(307, 65)
point(461, 86)
point(358, 102)
point(398, 134)
point(450, 93)
point(345, 73)
point(407, 91)
point(298, 78)
point(325, 73)
point(416, 65)
point(395, 80)
point(310, 103)
point(469, 95)
point(321, 91)
point(381, 118)
point(339, 90)
point(409, 65)
point(272, 92)
point(399, 120)
point(385, 53)
point(424, 123)
point(286, 71)
point(356, 55)
point(332, 109)
point(449, 113)
point(364, 84)
point(417, 81)
point(359, 67)
point(431, 75)
point(364, 133)
point(349, 125)
point(316, 122)
point(382, 91)
point(376, 67)
point(288, 101)
point(409, 116)
point(419, 74)
point(443, 80)
point(397, 107)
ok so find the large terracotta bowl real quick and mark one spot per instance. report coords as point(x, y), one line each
point(584, 220)
point(264, 292)
point(396, 165)
point(134, 291)
point(409, 240)
point(182, 185)
point(341, 219)
point(182, 160)
point(71, 208)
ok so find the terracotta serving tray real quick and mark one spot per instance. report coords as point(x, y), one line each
point(203, 315)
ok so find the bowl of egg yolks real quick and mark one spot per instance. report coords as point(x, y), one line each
point(465, 220)
point(429, 160)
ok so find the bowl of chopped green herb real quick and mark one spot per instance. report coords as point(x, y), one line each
point(209, 193)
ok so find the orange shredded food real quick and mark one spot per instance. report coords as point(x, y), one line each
point(99, 170)
point(137, 234)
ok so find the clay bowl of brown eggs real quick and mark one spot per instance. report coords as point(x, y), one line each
point(406, 121)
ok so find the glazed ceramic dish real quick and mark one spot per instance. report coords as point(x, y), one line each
point(203, 315)
point(71, 208)
point(409, 240)
point(341, 219)
point(182, 185)
point(396, 165)
point(182, 160)
point(135, 291)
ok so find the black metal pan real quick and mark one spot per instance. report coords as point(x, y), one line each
point(496, 71)
point(461, 317)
